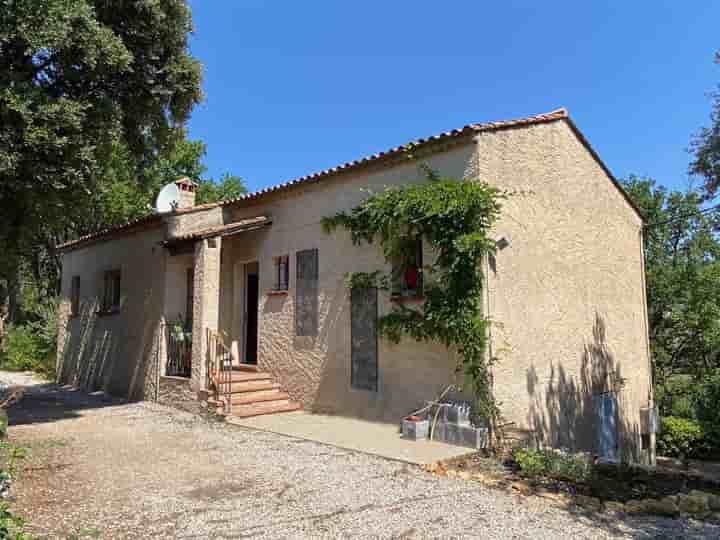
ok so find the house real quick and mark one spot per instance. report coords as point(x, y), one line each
point(244, 301)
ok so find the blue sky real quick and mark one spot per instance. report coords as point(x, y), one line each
point(296, 87)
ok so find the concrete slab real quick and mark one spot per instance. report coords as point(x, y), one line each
point(352, 434)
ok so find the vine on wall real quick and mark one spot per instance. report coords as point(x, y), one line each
point(454, 217)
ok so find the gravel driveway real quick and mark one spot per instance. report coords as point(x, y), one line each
point(104, 469)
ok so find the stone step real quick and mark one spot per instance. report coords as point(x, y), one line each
point(245, 367)
point(269, 407)
point(242, 376)
point(258, 396)
point(252, 386)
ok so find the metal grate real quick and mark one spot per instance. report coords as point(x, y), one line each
point(364, 342)
point(178, 362)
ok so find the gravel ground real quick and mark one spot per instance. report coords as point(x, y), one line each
point(104, 469)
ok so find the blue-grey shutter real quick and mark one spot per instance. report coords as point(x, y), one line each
point(363, 337)
point(306, 293)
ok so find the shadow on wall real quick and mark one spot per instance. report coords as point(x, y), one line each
point(84, 359)
point(567, 411)
point(99, 353)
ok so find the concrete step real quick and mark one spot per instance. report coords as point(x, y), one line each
point(269, 407)
point(258, 396)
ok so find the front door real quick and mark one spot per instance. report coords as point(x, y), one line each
point(251, 314)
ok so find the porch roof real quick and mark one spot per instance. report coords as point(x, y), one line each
point(227, 229)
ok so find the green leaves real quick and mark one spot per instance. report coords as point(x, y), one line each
point(683, 280)
point(705, 148)
point(454, 217)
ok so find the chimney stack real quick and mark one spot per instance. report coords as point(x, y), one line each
point(187, 192)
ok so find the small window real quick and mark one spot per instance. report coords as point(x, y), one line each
point(282, 273)
point(407, 275)
point(111, 293)
point(190, 291)
point(75, 296)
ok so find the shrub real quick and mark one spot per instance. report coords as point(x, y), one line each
point(553, 464)
point(23, 349)
point(681, 437)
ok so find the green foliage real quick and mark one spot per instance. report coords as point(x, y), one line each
point(705, 148)
point(676, 396)
point(553, 464)
point(363, 280)
point(228, 187)
point(11, 525)
point(80, 79)
point(455, 218)
point(681, 437)
point(23, 350)
point(683, 280)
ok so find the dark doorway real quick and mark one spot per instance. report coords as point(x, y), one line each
point(251, 327)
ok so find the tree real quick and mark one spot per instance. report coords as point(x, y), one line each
point(683, 279)
point(705, 148)
point(228, 187)
point(78, 80)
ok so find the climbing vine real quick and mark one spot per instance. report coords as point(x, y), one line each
point(454, 218)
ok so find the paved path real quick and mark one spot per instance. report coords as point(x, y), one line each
point(105, 469)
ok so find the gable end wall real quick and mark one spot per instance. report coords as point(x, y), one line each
point(568, 293)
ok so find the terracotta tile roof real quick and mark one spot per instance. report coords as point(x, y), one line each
point(141, 223)
point(465, 131)
point(244, 225)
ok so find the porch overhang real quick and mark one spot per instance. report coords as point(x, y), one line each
point(185, 243)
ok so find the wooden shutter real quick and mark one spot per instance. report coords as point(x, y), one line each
point(364, 339)
point(306, 293)
point(75, 296)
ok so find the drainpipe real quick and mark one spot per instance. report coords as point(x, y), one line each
point(651, 390)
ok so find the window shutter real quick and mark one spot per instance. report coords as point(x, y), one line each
point(75, 296)
point(364, 339)
point(306, 293)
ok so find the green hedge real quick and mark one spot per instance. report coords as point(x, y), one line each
point(682, 437)
point(23, 348)
point(552, 464)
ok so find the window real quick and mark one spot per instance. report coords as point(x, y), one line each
point(407, 275)
point(190, 292)
point(111, 292)
point(75, 296)
point(282, 273)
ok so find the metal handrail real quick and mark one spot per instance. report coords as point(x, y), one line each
point(219, 372)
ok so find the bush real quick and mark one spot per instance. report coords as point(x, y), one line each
point(681, 437)
point(23, 349)
point(553, 464)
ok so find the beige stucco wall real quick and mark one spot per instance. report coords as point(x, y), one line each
point(113, 352)
point(568, 293)
point(316, 370)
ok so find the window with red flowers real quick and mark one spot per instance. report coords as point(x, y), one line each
point(407, 275)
